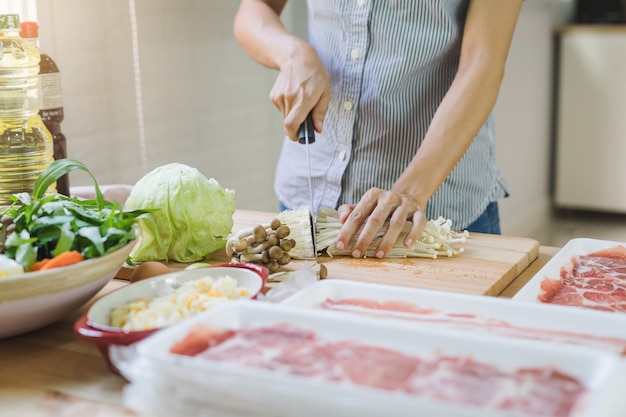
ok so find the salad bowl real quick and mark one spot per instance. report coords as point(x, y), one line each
point(33, 300)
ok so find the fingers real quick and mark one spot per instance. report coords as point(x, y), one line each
point(381, 216)
point(344, 211)
point(296, 107)
point(351, 227)
point(373, 226)
point(364, 221)
point(300, 108)
point(419, 224)
point(397, 223)
point(319, 111)
point(302, 87)
point(295, 118)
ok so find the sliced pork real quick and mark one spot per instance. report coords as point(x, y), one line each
point(291, 350)
point(473, 322)
point(596, 281)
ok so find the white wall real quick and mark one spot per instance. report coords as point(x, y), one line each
point(523, 117)
point(205, 102)
point(27, 9)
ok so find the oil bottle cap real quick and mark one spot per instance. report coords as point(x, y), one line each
point(29, 30)
point(9, 22)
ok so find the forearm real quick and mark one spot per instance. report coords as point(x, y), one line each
point(260, 32)
point(489, 29)
point(457, 121)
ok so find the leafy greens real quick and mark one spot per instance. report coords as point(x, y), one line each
point(49, 224)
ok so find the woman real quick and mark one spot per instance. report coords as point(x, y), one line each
point(401, 94)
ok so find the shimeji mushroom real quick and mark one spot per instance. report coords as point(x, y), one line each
point(6, 228)
point(318, 269)
point(267, 244)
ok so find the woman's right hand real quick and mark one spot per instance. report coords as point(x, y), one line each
point(302, 86)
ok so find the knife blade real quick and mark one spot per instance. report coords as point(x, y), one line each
point(306, 136)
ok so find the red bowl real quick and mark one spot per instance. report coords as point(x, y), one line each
point(93, 326)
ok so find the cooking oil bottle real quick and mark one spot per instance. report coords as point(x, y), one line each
point(26, 147)
point(50, 99)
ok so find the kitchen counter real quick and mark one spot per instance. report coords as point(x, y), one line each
point(50, 372)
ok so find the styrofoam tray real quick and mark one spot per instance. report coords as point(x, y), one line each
point(553, 320)
point(163, 383)
point(552, 269)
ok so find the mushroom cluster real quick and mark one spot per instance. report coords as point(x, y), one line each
point(7, 226)
point(267, 244)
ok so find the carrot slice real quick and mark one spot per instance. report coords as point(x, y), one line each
point(39, 264)
point(63, 259)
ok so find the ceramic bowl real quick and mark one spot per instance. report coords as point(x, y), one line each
point(35, 299)
point(94, 325)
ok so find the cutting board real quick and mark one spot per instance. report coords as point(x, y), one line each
point(487, 265)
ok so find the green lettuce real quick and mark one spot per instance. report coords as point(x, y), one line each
point(193, 215)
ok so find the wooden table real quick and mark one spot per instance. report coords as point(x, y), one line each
point(50, 372)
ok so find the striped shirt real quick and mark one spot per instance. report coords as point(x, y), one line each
point(390, 64)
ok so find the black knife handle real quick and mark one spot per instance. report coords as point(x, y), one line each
point(308, 122)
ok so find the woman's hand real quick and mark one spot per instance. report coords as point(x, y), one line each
point(302, 86)
point(366, 218)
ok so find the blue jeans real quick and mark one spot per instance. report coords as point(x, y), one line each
point(488, 222)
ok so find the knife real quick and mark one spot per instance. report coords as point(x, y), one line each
point(306, 136)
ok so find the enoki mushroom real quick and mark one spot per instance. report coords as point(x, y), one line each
point(438, 239)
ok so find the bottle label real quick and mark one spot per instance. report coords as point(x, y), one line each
point(10, 22)
point(50, 94)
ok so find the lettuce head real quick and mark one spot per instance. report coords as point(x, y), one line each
point(192, 215)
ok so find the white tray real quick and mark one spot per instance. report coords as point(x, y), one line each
point(163, 383)
point(549, 320)
point(552, 269)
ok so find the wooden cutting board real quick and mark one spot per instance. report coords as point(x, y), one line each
point(488, 265)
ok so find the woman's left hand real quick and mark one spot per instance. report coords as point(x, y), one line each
point(365, 219)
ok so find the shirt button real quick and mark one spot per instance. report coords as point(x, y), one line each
point(360, 2)
point(347, 105)
point(355, 54)
point(342, 155)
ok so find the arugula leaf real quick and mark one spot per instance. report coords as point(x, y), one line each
point(65, 240)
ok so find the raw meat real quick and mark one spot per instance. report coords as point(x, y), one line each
point(596, 281)
point(288, 349)
point(201, 340)
point(469, 321)
point(616, 252)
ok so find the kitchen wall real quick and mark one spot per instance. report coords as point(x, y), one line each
point(148, 82)
point(524, 117)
